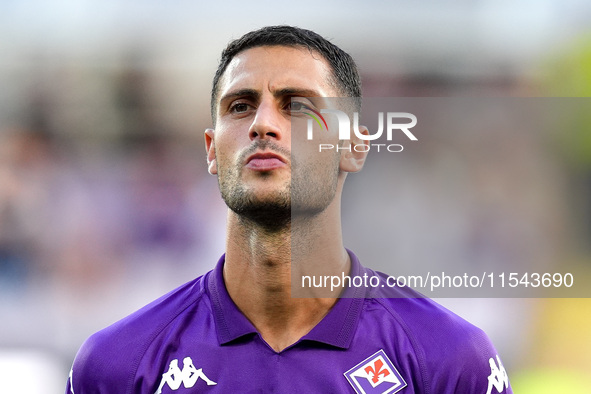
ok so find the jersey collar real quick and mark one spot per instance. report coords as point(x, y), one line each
point(230, 323)
point(335, 329)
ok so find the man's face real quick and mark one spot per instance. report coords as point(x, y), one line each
point(251, 148)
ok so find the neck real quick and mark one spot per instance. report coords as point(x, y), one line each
point(260, 263)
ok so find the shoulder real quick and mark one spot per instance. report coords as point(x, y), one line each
point(434, 328)
point(108, 358)
point(455, 355)
point(422, 316)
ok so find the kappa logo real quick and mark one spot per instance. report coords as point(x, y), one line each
point(375, 375)
point(188, 376)
point(498, 376)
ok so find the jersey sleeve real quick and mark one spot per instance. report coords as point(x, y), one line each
point(455, 356)
point(469, 364)
point(109, 361)
point(97, 369)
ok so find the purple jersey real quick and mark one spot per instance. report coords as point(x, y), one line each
point(195, 340)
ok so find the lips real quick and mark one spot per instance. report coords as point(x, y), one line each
point(265, 161)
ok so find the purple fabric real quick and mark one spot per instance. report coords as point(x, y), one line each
point(195, 340)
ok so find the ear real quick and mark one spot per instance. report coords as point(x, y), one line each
point(352, 161)
point(210, 149)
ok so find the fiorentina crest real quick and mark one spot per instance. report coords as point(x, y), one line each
point(375, 375)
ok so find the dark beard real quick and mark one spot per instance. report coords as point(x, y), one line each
point(272, 216)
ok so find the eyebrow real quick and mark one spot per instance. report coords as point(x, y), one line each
point(240, 93)
point(296, 92)
point(255, 94)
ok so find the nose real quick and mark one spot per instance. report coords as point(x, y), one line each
point(266, 123)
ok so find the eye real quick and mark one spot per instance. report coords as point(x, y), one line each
point(296, 106)
point(239, 108)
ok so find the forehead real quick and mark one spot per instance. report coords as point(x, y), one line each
point(277, 67)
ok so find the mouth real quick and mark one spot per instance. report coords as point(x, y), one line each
point(265, 161)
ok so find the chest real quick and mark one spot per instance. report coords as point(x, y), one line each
point(250, 366)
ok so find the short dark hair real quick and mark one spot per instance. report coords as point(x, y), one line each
point(344, 70)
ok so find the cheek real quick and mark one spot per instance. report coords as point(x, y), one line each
point(224, 161)
point(227, 149)
point(314, 164)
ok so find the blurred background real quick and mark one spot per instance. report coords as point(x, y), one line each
point(105, 202)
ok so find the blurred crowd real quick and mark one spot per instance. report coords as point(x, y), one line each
point(95, 224)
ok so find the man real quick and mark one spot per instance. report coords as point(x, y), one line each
point(238, 329)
